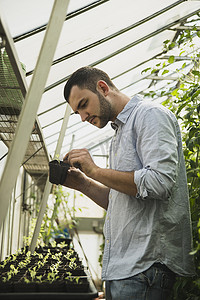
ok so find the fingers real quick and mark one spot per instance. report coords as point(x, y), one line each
point(65, 158)
point(80, 158)
point(70, 161)
point(74, 179)
point(76, 157)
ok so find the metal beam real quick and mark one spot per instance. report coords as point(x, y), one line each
point(48, 184)
point(178, 58)
point(69, 16)
point(114, 35)
point(132, 44)
point(185, 27)
point(154, 77)
point(31, 104)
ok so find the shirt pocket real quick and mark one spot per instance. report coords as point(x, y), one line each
point(126, 157)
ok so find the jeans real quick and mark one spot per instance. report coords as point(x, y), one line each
point(153, 284)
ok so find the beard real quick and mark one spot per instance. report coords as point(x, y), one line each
point(106, 111)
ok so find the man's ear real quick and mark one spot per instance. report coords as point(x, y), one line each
point(102, 87)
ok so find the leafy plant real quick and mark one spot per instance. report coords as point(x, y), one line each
point(33, 273)
point(71, 278)
point(184, 100)
point(53, 220)
point(46, 267)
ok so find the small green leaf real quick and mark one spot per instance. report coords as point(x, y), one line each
point(145, 70)
point(171, 59)
point(181, 52)
point(184, 65)
point(172, 45)
point(165, 72)
point(166, 42)
point(175, 92)
point(153, 71)
point(158, 65)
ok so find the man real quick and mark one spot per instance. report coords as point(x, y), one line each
point(147, 227)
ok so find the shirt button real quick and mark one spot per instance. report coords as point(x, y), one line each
point(107, 241)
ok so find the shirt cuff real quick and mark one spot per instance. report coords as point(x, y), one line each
point(139, 179)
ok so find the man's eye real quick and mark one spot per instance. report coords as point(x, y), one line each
point(84, 104)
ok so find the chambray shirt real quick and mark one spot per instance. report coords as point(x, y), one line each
point(155, 225)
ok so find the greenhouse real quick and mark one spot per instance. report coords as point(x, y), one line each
point(54, 240)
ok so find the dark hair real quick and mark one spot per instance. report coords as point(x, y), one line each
point(86, 78)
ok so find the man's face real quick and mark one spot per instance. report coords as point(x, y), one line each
point(93, 108)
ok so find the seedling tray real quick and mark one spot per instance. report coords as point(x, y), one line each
point(73, 280)
point(91, 294)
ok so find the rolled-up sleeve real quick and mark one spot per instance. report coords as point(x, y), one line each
point(157, 147)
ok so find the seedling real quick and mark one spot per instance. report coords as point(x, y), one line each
point(39, 278)
point(26, 280)
point(52, 276)
point(33, 273)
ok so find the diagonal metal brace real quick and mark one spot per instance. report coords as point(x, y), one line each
point(48, 184)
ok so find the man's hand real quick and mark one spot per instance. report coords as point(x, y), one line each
point(75, 179)
point(79, 180)
point(121, 181)
point(81, 158)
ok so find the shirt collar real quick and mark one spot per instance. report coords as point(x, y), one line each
point(125, 113)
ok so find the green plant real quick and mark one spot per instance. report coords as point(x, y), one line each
point(71, 278)
point(58, 217)
point(101, 248)
point(184, 100)
point(72, 263)
point(52, 277)
point(27, 239)
point(39, 278)
point(26, 280)
point(10, 274)
point(33, 273)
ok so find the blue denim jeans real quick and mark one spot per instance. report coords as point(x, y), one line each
point(153, 284)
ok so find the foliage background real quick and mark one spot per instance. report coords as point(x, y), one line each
point(184, 100)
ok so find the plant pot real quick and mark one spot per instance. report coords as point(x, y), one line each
point(6, 287)
point(82, 286)
point(23, 287)
point(56, 287)
point(58, 171)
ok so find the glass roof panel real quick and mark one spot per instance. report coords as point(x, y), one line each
point(27, 15)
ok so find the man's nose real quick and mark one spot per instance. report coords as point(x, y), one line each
point(83, 115)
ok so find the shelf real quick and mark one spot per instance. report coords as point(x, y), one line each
point(12, 94)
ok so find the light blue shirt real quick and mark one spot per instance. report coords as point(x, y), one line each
point(155, 225)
